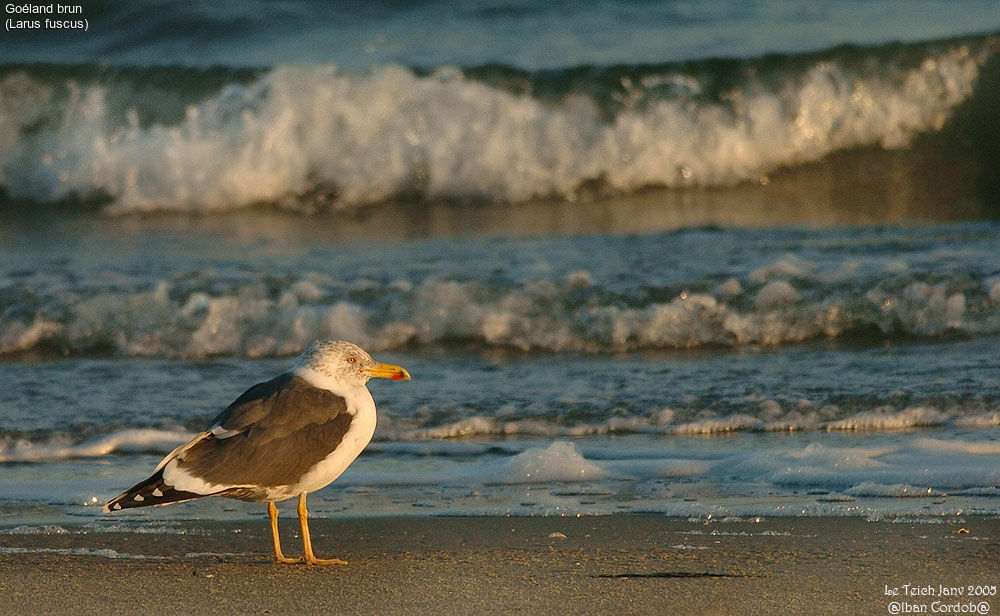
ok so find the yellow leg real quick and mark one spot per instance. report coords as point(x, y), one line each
point(272, 513)
point(308, 557)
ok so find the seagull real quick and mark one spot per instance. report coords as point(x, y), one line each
point(282, 438)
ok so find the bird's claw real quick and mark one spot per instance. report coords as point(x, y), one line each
point(322, 561)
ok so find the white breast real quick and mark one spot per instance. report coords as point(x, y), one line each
point(362, 406)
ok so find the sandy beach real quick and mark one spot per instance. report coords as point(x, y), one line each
point(532, 565)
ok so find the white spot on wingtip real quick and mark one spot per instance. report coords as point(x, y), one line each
point(117, 506)
point(157, 492)
point(138, 498)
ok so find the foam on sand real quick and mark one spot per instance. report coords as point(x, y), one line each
point(558, 462)
point(101, 552)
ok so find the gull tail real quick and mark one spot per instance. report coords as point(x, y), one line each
point(150, 492)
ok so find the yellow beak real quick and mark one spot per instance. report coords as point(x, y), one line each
point(388, 371)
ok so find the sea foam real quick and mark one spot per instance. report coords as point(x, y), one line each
point(271, 315)
point(560, 461)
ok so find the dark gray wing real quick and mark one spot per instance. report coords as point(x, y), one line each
point(252, 406)
point(270, 436)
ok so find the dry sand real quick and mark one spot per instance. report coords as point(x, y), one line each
point(441, 566)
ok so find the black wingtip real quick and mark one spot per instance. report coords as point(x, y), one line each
point(148, 493)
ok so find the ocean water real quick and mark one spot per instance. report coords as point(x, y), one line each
point(701, 259)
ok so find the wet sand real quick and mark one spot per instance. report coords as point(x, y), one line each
point(598, 565)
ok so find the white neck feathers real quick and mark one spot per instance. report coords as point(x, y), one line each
point(326, 381)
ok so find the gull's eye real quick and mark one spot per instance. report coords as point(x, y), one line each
point(352, 360)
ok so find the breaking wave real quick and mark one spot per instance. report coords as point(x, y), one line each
point(310, 137)
point(208, 313)
point(462, 438)
point(61, 446)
